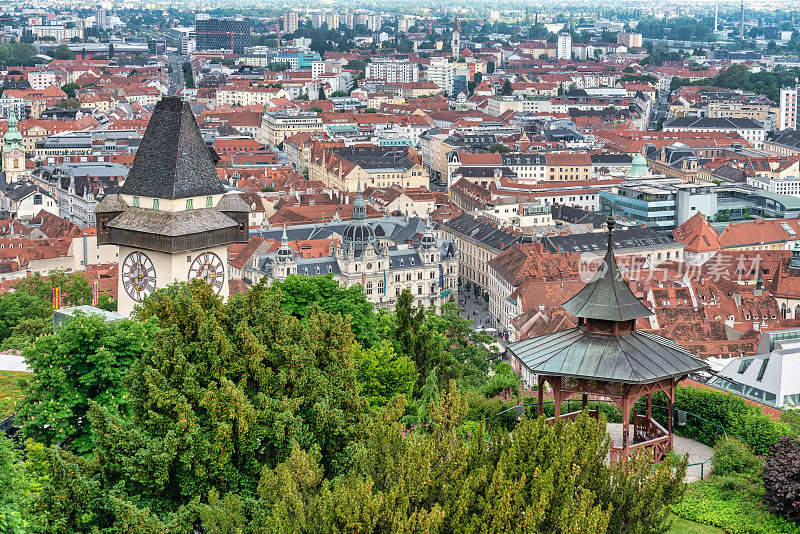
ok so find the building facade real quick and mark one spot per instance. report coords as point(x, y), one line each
point(367, 257)
point(223, 34)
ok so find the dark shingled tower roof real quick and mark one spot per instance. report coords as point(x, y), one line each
point(172, 160)
point(607, 297)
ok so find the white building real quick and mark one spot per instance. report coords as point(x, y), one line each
point(42, 79)
point(369, 258)
point(782, 186)
point(290, 22)
point(772, 376)
point(393, 71)
point(455, 44)
point(440, 72)
point(564, 46)
point(750, 129)
point(24, 200)
point(787, 114)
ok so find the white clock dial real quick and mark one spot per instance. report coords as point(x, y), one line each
point(138, 275)
point(209, 267)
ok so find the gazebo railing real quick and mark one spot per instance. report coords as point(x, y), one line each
point(647, 434)
point(572, 415)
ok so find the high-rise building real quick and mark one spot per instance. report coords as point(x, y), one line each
point(223, 34)
point(290, 22)
point(347, 19)
point(630, 39)
point(393, 71)
point(565, 45)
point(102, 18)
point(440, 72)
point(332, 20)
point(787, 114)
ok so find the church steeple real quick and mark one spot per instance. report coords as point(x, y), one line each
point(12, 138)
point(285, 252)
point(359, 206)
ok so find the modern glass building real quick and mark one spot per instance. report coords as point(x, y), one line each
point(223, 34)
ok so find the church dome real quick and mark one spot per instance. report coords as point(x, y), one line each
point(358, 235)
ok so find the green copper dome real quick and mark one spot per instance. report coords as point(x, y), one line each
point(12, 139)
point(639, 166)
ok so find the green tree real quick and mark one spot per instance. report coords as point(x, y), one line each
point(75, 287)
point(299, 293)
point(110, 50)
point(62, 52)
point(188, 75)
point(70, 89)
point(21, 307)
point(506, 90)
point(542, 478)
point(86, 360)
point(69, 103)
point(383, 374)
point(225, 390)
point(499, 149)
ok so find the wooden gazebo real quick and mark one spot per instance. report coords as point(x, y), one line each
point(607, 357)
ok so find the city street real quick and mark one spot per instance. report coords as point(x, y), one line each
point(475, 309)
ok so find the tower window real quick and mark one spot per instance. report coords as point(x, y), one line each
point(189, 204)
point(209, 202)
point(135, 202)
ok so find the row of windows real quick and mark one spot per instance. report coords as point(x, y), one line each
point(189, 203)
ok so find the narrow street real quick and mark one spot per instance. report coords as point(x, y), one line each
point(176, 81)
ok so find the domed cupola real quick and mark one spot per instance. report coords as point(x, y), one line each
point(285, 252)
point(358, 235)
point(428, 240)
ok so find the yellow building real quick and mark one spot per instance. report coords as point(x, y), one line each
point(344, 168)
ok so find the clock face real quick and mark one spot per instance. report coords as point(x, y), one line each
point(209, 267)
point(138, 276)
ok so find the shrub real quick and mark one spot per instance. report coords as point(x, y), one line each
point(479, 408)
point(732, 456)
point(713, 410)
point(759, 431)
point(733, 503)
point(781, 478)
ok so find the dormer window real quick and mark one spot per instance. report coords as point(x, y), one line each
point(135, 202)
point(189, 204)
point(155, 204)
point(209, 202)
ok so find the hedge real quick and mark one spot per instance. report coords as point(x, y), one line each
point(739, 419)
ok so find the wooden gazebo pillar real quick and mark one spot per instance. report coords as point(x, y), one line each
point(540, 394)
point(626, 413)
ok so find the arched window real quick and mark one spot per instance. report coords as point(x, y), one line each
point(783, 310)
point(368, 288)
point(380, 287)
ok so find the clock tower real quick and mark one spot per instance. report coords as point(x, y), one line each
point(13, 151)
point(172, 219)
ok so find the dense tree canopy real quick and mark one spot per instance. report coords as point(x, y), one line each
point(265, 414)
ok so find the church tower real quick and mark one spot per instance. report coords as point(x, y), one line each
point(13, 151)
point(172, 219)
